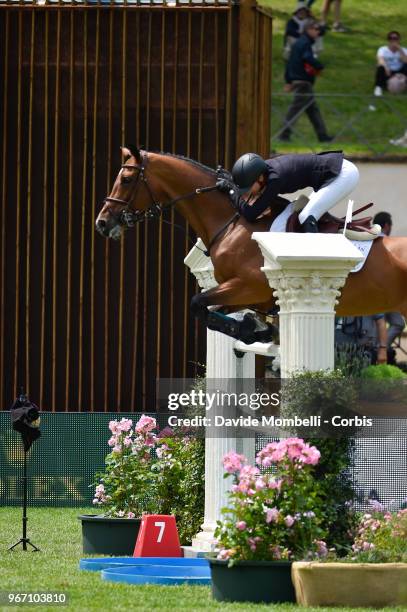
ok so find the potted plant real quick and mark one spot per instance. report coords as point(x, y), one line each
point(383, 390)
point(124, 489)
point(373, 574)
point(273, 518)
point(145, 472)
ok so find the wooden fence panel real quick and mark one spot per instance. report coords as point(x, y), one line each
point(88, 324)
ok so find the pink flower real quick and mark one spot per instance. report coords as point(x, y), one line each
point(114, 427)
point(150, 439)
point(376, 505)
point(249, 473)
point(322, 549)
point(274, 483)
point(145, 424)
point(117, 449)
point(125, 425)
point(252, 543)
point(131, 515)
point(272, 515)
point(224, 554)
point(127, 441)
point(276, 552)
point(112, 441)
point(260, 484)
point(167, 432)
point(311, 455)
point(233, 462)
point(294, 450)
point(289, 520)
point(241, 525)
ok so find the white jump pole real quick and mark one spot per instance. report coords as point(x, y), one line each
point(221, 363)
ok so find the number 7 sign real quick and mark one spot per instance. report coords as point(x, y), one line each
point(158, 537)
point(161, 525)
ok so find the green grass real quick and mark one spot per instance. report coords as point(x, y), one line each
point(349, 69)
point(55, 569)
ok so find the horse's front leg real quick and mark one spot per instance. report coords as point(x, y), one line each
point(233, 293)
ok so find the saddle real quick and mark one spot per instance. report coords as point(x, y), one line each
point(359, 229)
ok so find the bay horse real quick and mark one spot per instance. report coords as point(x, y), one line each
point(149, 183)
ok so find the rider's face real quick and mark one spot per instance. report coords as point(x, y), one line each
point(256, 189)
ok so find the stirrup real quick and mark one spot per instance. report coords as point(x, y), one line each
point(310, 225)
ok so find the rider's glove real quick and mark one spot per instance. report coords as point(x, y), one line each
point(225, 186)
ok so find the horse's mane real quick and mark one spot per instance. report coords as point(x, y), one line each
point(193, 162)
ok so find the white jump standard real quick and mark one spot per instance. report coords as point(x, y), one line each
point(306, 272)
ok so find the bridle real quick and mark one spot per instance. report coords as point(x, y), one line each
point(130, 216)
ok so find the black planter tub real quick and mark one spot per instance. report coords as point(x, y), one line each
point(254, 581)
point(109, 536)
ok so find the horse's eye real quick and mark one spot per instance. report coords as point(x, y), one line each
point(126, 179)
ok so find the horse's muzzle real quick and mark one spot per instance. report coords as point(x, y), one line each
point(103, 227)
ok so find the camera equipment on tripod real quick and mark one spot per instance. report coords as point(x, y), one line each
point(25, 417)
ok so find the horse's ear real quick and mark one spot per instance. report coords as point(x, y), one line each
point(131, 150)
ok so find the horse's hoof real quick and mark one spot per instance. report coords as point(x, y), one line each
point(247, 329)
point(268, 335)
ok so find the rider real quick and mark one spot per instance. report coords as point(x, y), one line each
point(259, 181)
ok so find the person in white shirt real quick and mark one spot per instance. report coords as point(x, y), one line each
point(391, 59)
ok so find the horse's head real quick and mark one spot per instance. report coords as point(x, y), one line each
point(119, 209)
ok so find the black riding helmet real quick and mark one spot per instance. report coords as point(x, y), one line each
point(247, 170)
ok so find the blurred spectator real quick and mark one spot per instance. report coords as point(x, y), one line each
point(295, 27)
point(385, 221)
point(400, 142)
point(368, 332)
point(337, 25)
point(394, 319)
point(301, 70)
point(391, 59)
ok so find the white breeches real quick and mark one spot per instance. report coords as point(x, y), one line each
point(326, 197)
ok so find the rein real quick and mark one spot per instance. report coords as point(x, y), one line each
point(129, 216)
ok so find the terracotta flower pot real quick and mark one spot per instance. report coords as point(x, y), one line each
point(373, 585)
point(254, 581)
point(109, 536)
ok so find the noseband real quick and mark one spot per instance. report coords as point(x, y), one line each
point(129, 216)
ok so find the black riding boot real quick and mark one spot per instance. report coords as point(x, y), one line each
point(310, 225)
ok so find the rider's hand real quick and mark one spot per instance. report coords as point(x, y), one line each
point(287, 87)
point(225, 186)
point(381, 355)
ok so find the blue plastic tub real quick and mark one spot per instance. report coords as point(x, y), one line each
point(101, 563)
point(158, 574)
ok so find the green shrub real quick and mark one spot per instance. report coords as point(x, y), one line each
point(377, 372)
point(328, 394)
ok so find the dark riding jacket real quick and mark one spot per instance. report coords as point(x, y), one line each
point(288, 173)
point(302, 54)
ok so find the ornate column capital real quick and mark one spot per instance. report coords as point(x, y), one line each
point(306, 272)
